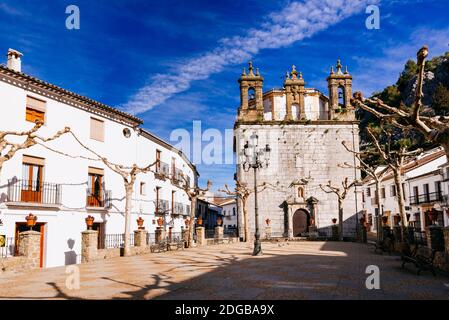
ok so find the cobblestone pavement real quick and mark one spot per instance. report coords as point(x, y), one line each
point(294, 270)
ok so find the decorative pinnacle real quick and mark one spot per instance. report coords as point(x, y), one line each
point(287, 75)
point(300, 75)
point(339, 66)
point(294, 73)
point(257, 72)
point(346, 70)
point(250, 68)
point(332, 70)
point(244, 71)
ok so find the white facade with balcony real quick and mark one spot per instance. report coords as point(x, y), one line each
point(425, 188)
point(63, 189)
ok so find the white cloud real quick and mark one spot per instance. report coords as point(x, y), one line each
point(9, 9)
point(298, 20)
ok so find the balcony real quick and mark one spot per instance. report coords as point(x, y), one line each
point(33, 193)
point(162, 206)
point(162, 170)
point(426, 198)
point(98, 199)
point(177, 177)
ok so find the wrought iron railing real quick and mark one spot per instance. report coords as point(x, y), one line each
point(162, 170)
point(426, 198)
point(210, 234)
point(174, 236)
point(115, 241)
point(8, 248)
point(230, 233)
point(151, 238)
point(34, 192)
point(162, 206)
point(98, 198)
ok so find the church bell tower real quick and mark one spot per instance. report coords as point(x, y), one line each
point(340, 93)
point(251, 95)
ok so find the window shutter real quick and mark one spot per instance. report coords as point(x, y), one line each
point(96, 129)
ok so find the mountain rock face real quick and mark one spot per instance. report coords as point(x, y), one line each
point(436, 74)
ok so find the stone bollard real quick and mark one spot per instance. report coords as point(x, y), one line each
point(140, 238)
point(185, 233)
point(335, 232)
point(89, 245)
point(268, 232)
point(200, 236)
point(435, 239)
point(160, 234)
point(30, 247)
point(218, 234)
point(397, 232)
point(386, 233)
point(446, 239)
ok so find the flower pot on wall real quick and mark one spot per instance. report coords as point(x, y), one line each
point(31, 220)
point(219, 221)
point(200, 221)
point(140, 222)
point(268, 222)
point(334, 220)
point(89, 222)
point(160, 222)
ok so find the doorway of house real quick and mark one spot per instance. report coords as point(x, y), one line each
point(301, 222)
point(39, 227)
point(100, 227)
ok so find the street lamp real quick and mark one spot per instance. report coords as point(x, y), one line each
point(253, 159)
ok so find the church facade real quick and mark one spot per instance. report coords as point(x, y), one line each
point(305, 130)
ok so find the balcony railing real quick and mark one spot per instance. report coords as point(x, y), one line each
point(426, 198)
point(162, 206)
point(162, 170)
point(26, 191)
point(96, 198)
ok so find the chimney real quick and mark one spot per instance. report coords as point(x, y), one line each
point(14, 61)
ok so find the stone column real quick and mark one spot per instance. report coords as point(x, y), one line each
point(290, 223)
point(218, 234)
point(185, 233)
point(160, 234)
point(140, 238)
point(446, 239)
point(435, 240)
point(334, 232)
point(200, 236)
point(89, 245)
point(30, 247)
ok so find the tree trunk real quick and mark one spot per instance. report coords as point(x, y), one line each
point(400, 196)
point(192, 221)
point(340, 219)
point(379, 208)
point(128, 200)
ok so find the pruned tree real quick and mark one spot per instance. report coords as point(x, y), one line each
point(193, 193)
point(434, 128)
point(394, 154)
point(341, 193)
point(372, 171)
point(242, 191)
point(31, 137)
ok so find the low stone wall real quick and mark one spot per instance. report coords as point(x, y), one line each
point(17, 264)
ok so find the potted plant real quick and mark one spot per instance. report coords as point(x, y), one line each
point(334, 220)
point(200, 221)
point(267, 221)
point(31, 220)
point(89, 222)
point(140, 223)
point(187, 222)
point(160, 222)
point(219, 221)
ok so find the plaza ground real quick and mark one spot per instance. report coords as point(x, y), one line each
point(287, 270)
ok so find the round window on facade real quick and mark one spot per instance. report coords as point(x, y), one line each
point(127, 132)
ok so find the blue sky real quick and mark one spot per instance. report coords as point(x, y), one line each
point(173, 62)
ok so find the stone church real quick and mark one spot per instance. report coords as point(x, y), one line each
point(304, 129)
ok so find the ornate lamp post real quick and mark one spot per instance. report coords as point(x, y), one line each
point(253, 159)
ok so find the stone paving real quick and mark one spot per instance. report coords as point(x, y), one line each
point(293, 270)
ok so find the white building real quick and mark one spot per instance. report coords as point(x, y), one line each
point(61, 190)
point(229, 214)
point(425, 188)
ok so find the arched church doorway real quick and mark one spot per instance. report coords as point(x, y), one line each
point(301, 222)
